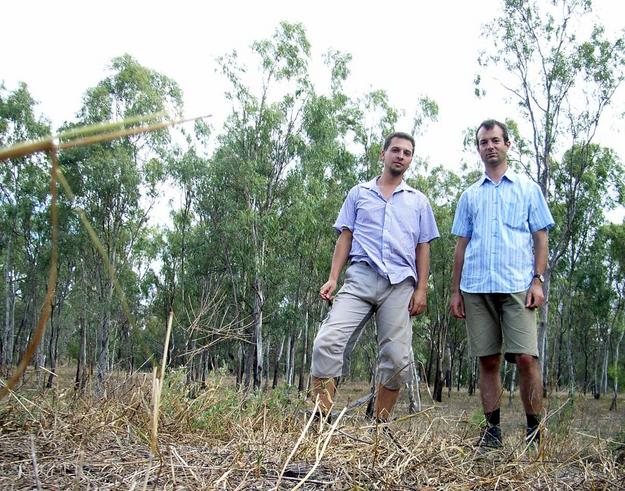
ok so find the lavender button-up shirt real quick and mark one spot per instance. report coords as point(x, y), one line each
point(499, 219)
point(386, 233)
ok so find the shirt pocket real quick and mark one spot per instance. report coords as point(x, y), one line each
point(515, 215)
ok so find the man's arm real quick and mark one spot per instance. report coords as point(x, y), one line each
point(536, 293)
point(457, 302)
point(339, 258)
point(419, 302)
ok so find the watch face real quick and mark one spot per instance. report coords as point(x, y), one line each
point(540, 277)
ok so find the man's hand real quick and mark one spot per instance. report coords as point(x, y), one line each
point(535, 295)
point(457, 305)
point(418, 302)
point(326, 290)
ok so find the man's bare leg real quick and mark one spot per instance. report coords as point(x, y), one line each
point(531, 389)
point(385, 401)
point(490, 392)
point(490, 382)
point(531, 384)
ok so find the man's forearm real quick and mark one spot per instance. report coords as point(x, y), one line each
point(423, 265)
point(341, 253)
point(461, 247)
point(540, 251)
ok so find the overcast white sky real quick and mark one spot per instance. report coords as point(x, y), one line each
point(408, 48)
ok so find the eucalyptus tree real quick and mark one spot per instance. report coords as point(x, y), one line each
point(23, 205)
point(259, 143)
point(615, 234)
point(587, 181)
point(563, 73)
point(115, 185)
point(443, 335)
point(325, 172)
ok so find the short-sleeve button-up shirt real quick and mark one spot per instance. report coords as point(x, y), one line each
point(499, 219)
point(386, 233)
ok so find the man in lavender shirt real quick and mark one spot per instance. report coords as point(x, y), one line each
point(385, 228)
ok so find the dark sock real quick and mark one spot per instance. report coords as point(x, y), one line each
point(533, 420)
point(492, 418)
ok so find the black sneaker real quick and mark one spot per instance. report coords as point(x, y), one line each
point(532, 436)
point(490, 438)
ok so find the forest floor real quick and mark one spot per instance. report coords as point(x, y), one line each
point(221, 438)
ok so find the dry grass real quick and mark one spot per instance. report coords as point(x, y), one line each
point(220, 439)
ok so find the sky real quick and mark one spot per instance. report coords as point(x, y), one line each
point(409, 48)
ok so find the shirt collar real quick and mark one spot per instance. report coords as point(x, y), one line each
point(373, 185)
point(510, 175)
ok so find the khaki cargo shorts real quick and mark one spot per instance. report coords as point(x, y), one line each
point(500, 321)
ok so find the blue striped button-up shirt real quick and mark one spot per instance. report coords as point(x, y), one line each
point(386, 233)
point(499, 219)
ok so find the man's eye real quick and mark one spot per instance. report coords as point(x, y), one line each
point(407, 153)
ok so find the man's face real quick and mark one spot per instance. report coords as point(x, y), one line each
point(398, 156)
point(491, 146)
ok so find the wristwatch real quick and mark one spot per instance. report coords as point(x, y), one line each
point(539, 277)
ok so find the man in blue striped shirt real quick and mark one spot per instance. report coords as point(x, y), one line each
point(501, 225)
point(385, 227)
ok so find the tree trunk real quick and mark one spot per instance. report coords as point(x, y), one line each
point(266, 364)
point(542, 333)
point(473, 376)
point(257, 325)
point(9, 314)
point(301, 386)
point(596, 385)
point(569, 359)
point(512, 384)
point(102, 344)
point(276, 366)
point(439, 378)
point(448, 368)
point(287, 363)
point(605, 364)
point(52, 344)
point(81, 368)
point(240, 368)
point(616, 370)
point(291, 354)
point(414, 397)
point(374, 385)
point(460, 360)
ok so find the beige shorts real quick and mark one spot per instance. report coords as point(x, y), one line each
point(500, 320)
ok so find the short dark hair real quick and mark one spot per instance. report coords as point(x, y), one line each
point(489, 124)
point(398, 134)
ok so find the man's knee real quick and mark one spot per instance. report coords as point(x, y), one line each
point(394, 366)
point(490, 363)
point(326, 358)
point(526, 363)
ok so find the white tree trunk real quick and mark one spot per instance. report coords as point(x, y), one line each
point(414, 396)
point(9, 315)
point(616, 371)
